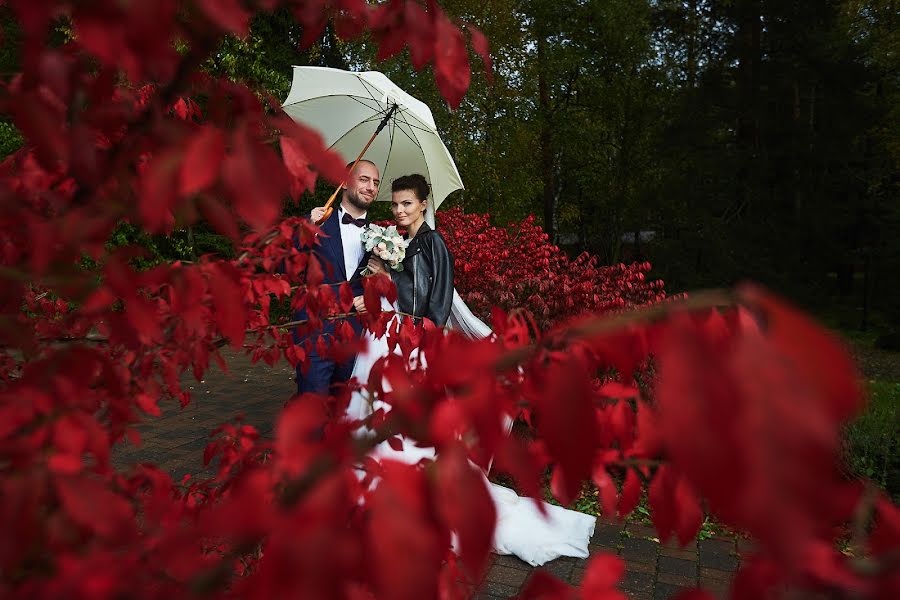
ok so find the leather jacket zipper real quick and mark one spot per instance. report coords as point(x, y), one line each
point(415, 285)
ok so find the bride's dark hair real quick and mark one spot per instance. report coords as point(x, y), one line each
point(414, 182)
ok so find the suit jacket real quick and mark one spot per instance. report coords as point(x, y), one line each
point(330, 251)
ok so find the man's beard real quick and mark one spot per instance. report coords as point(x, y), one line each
point(356, 200)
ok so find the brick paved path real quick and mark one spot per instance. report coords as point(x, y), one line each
point(175, 441)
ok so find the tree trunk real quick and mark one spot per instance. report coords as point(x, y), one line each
point(749, 57)
point(693, 33)
point(548, 171)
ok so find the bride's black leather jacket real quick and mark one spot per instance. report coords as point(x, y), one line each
point(425, 285)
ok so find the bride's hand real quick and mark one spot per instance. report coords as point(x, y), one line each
point(376, 266)
point(358, 304)
point(316, 214)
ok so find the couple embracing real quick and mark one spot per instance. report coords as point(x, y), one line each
point(535, 532)
point(424, 285)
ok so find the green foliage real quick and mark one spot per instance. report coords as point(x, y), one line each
point(872, 446)
point(10, 139)
point(182, 244)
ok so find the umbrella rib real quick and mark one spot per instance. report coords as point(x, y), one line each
point(412, 138)
point(368, 88)
point(402, 110)
point(418, 145)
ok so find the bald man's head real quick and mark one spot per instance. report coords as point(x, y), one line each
point(361, 187)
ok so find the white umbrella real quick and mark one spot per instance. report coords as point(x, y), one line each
point(347, 108)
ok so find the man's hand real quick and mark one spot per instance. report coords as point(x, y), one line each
point(376, 266)
point(358, 304)
point(317, 213)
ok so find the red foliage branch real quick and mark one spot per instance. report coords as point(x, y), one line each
point(750, 397)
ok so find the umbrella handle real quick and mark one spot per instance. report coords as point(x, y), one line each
point(328, 208)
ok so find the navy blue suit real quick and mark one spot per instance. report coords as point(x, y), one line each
point(324, 372)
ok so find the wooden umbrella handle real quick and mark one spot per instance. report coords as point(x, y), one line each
point(328, 208)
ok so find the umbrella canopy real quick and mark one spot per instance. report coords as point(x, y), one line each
point(346, 109)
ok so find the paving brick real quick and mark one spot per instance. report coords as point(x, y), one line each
point(664, 591)
point(512, 561)
point(595, 549)
point(638, 595)
point(640, 567)
point(718, 560)
point(576, 576)
point(671, 579)
point(506, 576)
point(639, 550)
point(607, 535)
point(561, 567)
point(641, 531)
point(683, 553)
point(637, 582)
point(715, 574)
point(718, 554)
point(720, 546)
point(677, 566)
point(497, 590)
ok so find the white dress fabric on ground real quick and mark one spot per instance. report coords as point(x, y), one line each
point(521, 529)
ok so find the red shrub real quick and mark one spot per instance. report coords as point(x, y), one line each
point(516, 267)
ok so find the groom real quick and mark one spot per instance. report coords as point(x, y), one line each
point(341, 252)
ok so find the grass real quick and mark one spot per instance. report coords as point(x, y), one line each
point(871, 447)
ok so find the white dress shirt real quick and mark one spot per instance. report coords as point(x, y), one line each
point(353, 248)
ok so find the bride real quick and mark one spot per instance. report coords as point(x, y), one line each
point(425, 289)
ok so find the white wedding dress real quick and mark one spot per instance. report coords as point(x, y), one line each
point(521, 529)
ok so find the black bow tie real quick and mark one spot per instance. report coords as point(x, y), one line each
point(346, 219)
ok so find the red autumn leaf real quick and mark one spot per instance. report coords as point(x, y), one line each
point(147, 404)
point(690, 513)
point(820, 359)
point(406, 549)
point(566, 423)
point(631, 493)
point(219, 217)
point(886, 533)
point(257, 200)
point(614, 389)
point(466, 507)
point(543, 586)
point(451, 61)
point(420, 34)
point(228, 298)
point(227, 14)
point(345, 294)
point(482, 48)
point(602, 574)
point(297, 164)
point(158, 193)
point(662, 506)
point(181, 109)
point(314, 274)
point(298, 434)
point(91, 504)
point(693, 595)
point(203, 158)
point(606, 487)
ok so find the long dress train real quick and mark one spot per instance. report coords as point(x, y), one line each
point(521, 529)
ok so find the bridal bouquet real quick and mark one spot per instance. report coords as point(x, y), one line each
point(386, 243)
